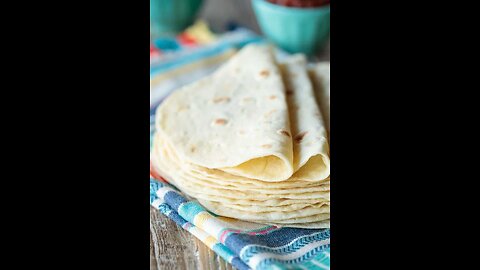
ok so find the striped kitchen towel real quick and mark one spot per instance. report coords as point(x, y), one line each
point(245, 245)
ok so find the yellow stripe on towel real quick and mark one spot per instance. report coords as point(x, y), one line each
point(200, 219)
point(210, 241)
point(203, 63)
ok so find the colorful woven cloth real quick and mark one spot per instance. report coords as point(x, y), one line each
point(245, 245)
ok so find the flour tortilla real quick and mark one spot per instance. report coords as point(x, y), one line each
point(310, 146)
point(232, 120)
point(250, 202)
point(299, 220)
point(322, 212)
point(266, 209)
point(306, 225)
point(218, 179)
point(176, 176)
point(320, 77)
point(237, 121)
point(196, 191)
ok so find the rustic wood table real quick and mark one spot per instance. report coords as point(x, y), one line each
point(171, 247)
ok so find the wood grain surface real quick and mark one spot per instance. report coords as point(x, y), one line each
point(171, 247)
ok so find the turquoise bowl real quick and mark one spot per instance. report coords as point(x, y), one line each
point(295, 30)
point(169, 17)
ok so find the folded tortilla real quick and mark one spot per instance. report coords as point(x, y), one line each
point(320, 77)
point(310, 146)
point(237, 121)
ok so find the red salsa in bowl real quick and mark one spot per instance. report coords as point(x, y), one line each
point(300, 3)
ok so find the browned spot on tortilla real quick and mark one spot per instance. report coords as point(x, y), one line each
point(283, 132)
point(268, 114)
point(183, 108)
point(192, 149)
point(273, 97)
point(247, 100)
point(221, 99)
point(241, 132)
point(299, 137)
point(267, 146)
point(220, 121)
point(264, 73)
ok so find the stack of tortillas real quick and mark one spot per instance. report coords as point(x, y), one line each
point(250, 141)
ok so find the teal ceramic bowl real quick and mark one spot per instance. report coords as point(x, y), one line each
point(168, 17)
point(304, 30)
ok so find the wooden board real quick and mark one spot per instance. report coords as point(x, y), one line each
point(171, 247)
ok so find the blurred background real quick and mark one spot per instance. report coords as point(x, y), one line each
point(294, 29)
point(220, 13)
